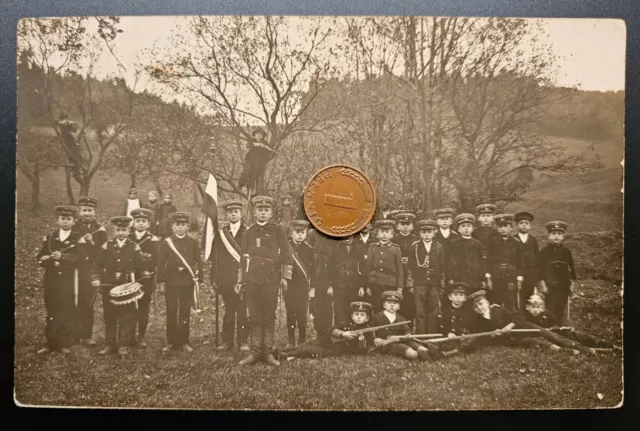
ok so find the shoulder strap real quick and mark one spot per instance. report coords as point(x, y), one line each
point(230, 244)
point(177, 253)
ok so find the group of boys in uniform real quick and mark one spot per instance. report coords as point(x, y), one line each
point(441, 280)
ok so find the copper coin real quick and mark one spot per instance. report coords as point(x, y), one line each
point(339, 200)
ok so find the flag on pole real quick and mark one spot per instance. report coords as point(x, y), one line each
point(210, 208)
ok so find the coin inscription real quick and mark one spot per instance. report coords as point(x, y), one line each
point(339, 200)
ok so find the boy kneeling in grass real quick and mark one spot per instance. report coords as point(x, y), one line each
point(343, 340)
point(409, 349)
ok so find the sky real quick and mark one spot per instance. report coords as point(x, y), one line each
point(592, 51)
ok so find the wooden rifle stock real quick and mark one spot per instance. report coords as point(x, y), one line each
point(367, 330)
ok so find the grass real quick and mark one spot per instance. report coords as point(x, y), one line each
point(495, 378)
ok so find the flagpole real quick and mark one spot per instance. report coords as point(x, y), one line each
point(213, 170)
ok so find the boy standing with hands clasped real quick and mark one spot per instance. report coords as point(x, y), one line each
point(529, 246)
point(505, 265)
point(297, 297)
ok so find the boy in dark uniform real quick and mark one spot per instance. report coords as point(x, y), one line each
point(61, 259)
point(351, 343)
point(92, 235)
point(264, 270)
point(344, 277)
point(556, 271)
point(323, 304)
point(119, 261)
point(426, 265)
point(404, 238)
point(505, 265)
point(492, 318)
point(466, 264)
point(485, 232)
point(149, 244)
point(444, 234)
point(409, 349)
point(179, 279)
point(383, 265)
point(297, 297)
point(225, 262)
point(529, 246)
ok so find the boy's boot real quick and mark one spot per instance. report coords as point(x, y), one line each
point(292, 336)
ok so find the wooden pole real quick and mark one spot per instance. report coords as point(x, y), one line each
point(213, 170)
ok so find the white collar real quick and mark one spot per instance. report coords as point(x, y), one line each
point(365, 236)
point(523, 236)
point(262, 224)
point(235, 225)
point(405, 234)
point(180, 237)
point(139, 234)
point(392, 317)
point(447, 231)
point(63, 234)
point(427, 244)
point(466, 237)
point(121, 242)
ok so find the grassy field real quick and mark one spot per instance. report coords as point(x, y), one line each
point(497, 378)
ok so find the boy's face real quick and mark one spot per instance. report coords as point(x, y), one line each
point(367, 228)
point(263, 214)
point(133, 195)
point(167, 199)
point(385, 234)
point(485, 219)
point(504, 229)
point(444, 222)
point(286, 201)
point(359, 317)
point(391, 306)
point(153, 196)
point(465, 229)
point(427, 234)
point(121, 232)
point(234, 215)
point(481, 306)
point(556, 237)
point(524, 226)
point(65, 222)
point(298, 235)
point(141, 223)
point(180, 227)
point(405, 227)
point(87, 213)
point(457, 298)
point(535, 309)
point(348, 239)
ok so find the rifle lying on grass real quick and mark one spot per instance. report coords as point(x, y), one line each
point(415, 337)
point(360, 332)
point(485, 334)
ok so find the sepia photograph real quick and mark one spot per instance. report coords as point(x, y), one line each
point(319, 212)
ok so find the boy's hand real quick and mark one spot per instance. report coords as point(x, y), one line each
point(378, 342)
point(369, 291)
point(451, 335)
point(95, 283)
point(89, 238)
point(43, 258)
point(56, 255)
point(361, 292)
point(283, 285)
point(349, 335)
point(330, 291)
point(312, 292)
point(572, 288)
point(161, 287)
point(237, 288)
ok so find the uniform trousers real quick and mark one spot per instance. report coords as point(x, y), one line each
point(504, 290)
point(119, 322)
point(323, 317)
point(296, 303)
point(397, 348)
point(235, 317)
point(179, 299)
point(556, 301)
point(262, 302)
point(427, 308)
point(84, 313)
point(342, 297)
point(142, 315)
point(58, 301)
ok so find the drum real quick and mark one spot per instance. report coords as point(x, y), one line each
point(126, 293)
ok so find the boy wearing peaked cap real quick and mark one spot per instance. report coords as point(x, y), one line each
point(505, 265)
point(149, 246)
point(465, 263)
point(556, 270)
point(485, 231)
point(60, 258)
point(426, 265)
point(383, 268)
point(92, 235)
point(445, 236)
point(119, 261)
point(225, 263)
point(404, 238)
point(265, 268)
point(348, 341)
point(297, 297)
point(179, 268)
point(529, 246)
point(492, 317)
point(408, 349)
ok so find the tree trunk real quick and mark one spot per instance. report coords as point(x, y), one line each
point(35, 189)
point(70, 197)
point(85, 186)
point(134, 178)
point(156, 183)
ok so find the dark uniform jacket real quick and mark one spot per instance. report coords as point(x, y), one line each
point(322, 246)
point(171, 270)
point(446, 246)
point(499, 318)
point(161, 220)
point(530, 253)
point(304, 255)
point(485, 234)
point(344, 266)
point(114, 264)
point(60, 275)
point(224, 267)
point(427, 269)
point(150, 247)
point(405, 241)
point(456, 320)
point(545, 319)
point(379, 319)
point(99, 238)
point(555, 265)
point(465, 262)
point(152, 220)
point(383, 265)
point(505, 257)
point(268, 253)
point(355, 346)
